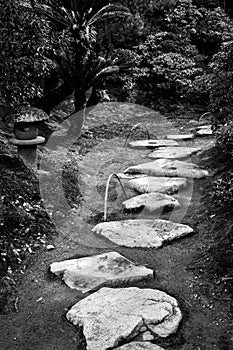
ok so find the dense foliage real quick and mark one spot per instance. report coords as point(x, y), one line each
point(221, 87)
point(223, 193)
point(26, 42)
point(67, 45)
point(44, 39)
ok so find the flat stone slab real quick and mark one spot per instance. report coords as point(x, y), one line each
point(142, 144)
point(149, 184)
point(142, 233)
point(109, 269)
point(111, 315)
point(207, 126)
point(140, 346)
point(173, 152)
point(152, 202)
point(168, 167)
point(180, 137)
point(125, 176)
point(205, 131)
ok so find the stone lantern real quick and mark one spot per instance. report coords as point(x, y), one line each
point(26, 138)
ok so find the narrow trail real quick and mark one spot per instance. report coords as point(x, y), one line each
point(40, 322)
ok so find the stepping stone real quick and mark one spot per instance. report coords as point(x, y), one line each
point(180, 137)
point(140, 346)
point(125, 176)
point(111, 316)
point(93, 272)
point(168, 167)
point(148, 184)
point(152, 202)
point(208, 126)
point(141, 233)
point(173, 152)
point(142, 144)
point(205, 131)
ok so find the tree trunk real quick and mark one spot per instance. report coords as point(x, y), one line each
point(80, 99)
point(54, 97)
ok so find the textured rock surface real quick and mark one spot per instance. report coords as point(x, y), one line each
point(141, 233)
point(112, 315)
point(173, 152)
point(180, 137)
point(167, 167)
point(208, 126)
point(151, 201)
point(147, 336)
point(92, 272)
point(140, 346)
point(125, 176)
point(205, 131)
point(149, 184)
point(141, 144)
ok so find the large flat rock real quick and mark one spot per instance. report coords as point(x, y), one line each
point(110, 315)
point(168, 167)
point(142, 144)
point(149, 184)
point(173, 152)
point(207, 126)
point(180, 137)
point(109, 269)
point(137, 345)
point(125, 176)
point(205, 131)
point(141, 233)
point(152, 202)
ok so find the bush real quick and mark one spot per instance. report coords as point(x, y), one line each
point(164, 67)
point(25, 44)
point(221, 86)
point(224, 140)
point(223, 191)
point(212, 30)
point(199, 90)
point(175, 72)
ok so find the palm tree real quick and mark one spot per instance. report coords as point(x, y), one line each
point(83, 67)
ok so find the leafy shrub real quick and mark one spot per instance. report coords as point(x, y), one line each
point(223, 192)
point(183, 18)
point(221, 97)
point(224, 140)
point(25, 44)
point(175, 71)
point(199, 90)
point(149, 14)
point(210, 4)
point(164, 67)
point(221, 86)
point(213, 28)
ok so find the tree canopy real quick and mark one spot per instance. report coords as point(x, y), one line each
point(50, 49)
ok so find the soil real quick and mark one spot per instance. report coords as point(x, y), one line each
point(35, 314)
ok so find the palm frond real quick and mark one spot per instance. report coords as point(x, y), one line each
point(56, 15)
point(109, 11)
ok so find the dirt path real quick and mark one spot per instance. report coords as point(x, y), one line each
point(40, 322)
